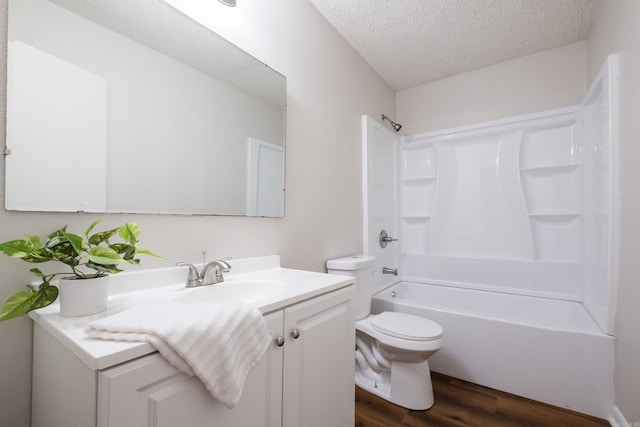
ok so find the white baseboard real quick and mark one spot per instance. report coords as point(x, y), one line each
point(618, 420)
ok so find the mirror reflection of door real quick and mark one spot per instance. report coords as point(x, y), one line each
point(266, 179)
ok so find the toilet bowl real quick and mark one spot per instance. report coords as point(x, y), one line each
point(391, 348)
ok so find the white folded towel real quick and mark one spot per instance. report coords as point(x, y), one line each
point(219, 343)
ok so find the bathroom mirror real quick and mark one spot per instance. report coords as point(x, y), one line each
point(133, 107)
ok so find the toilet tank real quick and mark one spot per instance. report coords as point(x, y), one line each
point(359, 267)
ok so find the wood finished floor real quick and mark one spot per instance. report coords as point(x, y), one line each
point(462, 404)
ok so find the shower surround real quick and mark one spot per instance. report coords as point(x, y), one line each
point(524, 206)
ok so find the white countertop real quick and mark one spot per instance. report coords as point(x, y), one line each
point(160, 285)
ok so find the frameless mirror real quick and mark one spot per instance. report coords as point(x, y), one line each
point(133, 107)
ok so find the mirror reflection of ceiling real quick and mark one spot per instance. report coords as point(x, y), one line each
point(182, 121)
point(166, 30)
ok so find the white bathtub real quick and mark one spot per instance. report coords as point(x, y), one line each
point(544, 349)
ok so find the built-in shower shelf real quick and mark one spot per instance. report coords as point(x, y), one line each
point(550, 169)
point(419, 179)
point(420, 218)
point(570, 263)
point(415, 216)
point(417, 194)
point(447, 257)
point(555, 216)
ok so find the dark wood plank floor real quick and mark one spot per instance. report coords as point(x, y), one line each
point(462, 404)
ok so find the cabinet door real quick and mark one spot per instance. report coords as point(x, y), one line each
point(319, 364)
point(150, 392)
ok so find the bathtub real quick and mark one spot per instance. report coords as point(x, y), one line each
point(543, 349)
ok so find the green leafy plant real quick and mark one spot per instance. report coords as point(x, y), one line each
point(86, 255)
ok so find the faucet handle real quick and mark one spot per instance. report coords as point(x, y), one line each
point(224, 265)
point(193, 271)
point(221, 266)
point(193, 276)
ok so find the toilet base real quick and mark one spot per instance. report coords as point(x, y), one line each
point(407, 385)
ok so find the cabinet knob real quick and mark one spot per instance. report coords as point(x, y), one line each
point(295, 333)
point(280, 341)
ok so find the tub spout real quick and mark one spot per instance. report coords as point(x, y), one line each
point(387, 270)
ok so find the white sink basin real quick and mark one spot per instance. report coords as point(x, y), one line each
point(238, 290)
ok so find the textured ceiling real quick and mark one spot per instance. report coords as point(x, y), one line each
point(410, 42)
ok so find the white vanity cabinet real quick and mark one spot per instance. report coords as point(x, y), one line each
point(318, 373)
point(150, 392)
point(306, 381)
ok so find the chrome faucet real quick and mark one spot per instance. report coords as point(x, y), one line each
point(211, 273)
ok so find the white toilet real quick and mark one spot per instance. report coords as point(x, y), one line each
point(391, 348)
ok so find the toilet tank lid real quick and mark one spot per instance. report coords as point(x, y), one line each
point(354, 262)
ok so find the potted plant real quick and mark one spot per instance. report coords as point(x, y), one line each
point(89, 257)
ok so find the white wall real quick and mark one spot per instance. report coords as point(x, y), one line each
point(542, 81)
point(616, 30)
point(329, 88)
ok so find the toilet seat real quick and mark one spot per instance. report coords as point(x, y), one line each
point(406, 326)
point(397, 345)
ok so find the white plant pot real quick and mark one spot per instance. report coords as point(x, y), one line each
point(83, 297)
